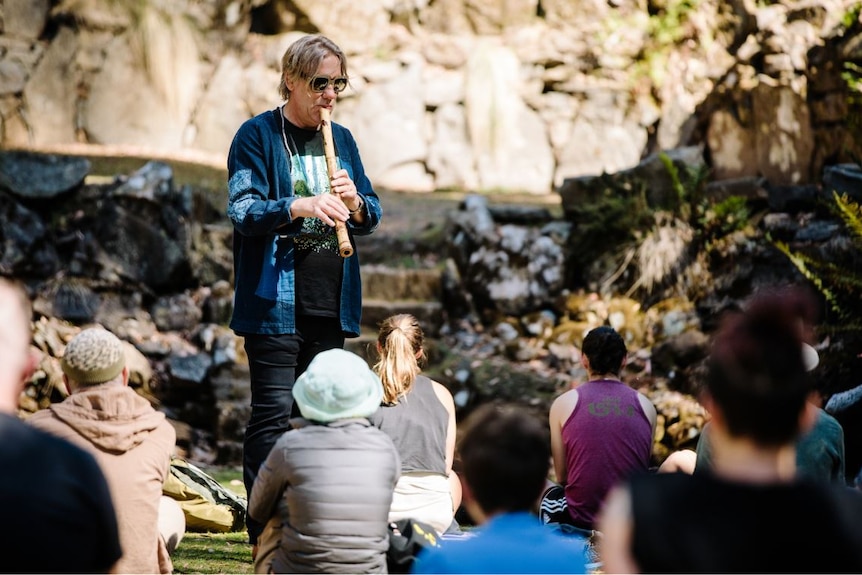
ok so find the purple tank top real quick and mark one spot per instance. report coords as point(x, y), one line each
point(607, 437)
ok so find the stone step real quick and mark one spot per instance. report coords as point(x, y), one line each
point(383, 282)
point(429, 313)
point(364, 345)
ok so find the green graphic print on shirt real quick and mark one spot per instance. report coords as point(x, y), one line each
point(311, 178)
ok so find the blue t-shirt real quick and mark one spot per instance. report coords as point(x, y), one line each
point(508, 543)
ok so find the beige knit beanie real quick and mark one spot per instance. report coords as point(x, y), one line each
point(93, 356)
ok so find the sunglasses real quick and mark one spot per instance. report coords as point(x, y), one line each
point(320, 83)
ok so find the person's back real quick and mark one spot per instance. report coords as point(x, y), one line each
point(336, 502)
point(419, 415)
point(751, 511)
point(131, 441)
point(507, 543)
point(330, 478)
point(58, 514)
point(56, 504)
point(607, 438)
point(418, 426)
point(505, 455)
point(819, 452)
point(601, 431)
point(746, 526)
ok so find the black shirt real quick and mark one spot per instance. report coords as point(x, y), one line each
point(318, 265)
point(56, 513)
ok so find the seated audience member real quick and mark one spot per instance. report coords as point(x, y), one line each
point(418, 414)
point(132, 442)
point(505, 453)
point(819, 452)
point(734, 518)
point(329, 480)
point(601, 432)
point(57, 511)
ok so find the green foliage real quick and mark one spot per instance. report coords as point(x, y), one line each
point(851, 16)
point(674, 176)
point(724, 217)
point(839, 282)
point(709, 219)
point(852, 76)
point(851, 214)
point(667, 26)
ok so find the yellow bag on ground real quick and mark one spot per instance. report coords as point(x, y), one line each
point(206, 504)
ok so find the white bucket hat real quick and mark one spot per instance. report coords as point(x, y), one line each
point(810, 357)
point(338, 384)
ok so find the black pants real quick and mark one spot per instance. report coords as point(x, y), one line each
point(274, 362)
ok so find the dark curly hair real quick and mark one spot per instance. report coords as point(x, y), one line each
point(605, 349)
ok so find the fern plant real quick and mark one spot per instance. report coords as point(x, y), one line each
point(840, 281)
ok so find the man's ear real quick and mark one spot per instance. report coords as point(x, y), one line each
point(125, 373)
point(31, 364)
point(585, 361)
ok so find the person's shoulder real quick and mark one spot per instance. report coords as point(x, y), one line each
point(563, 405)
point(848, 498)
point(826, 421)
point(165, 430)
point(261, 122)
point(568, 396)
point(341, 128)
point(59, 449)
point(377, 435)
point(342, 132)
point(39, 418)
point(439, 389)
point(450, 557)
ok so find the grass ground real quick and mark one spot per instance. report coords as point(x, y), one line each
point(216, 552)
point(213, 553)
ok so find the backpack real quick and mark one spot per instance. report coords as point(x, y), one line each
point(206, 503)
point(407, 537)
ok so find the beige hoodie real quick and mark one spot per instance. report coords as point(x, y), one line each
point(133, 444)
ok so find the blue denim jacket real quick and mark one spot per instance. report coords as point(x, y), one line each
point(260, 196)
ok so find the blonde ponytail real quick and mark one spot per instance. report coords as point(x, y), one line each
point(399, 343)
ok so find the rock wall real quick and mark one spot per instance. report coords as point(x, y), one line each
point(452, 94)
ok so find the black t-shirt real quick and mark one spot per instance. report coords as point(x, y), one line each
point(703, 524)
point(56, 509)
point(317, 264)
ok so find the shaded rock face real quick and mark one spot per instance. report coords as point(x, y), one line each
point(455, 94)
point(136, 233)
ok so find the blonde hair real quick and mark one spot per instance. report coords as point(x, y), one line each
point(303, 57)
point(400, 348)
